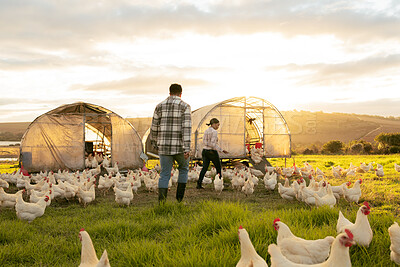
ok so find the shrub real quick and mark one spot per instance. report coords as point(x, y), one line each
point(357, 148)
point(308, 151)
point(333, 147)
point(394, 149)
point(388, 139)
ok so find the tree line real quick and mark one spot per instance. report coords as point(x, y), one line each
point(384, 143)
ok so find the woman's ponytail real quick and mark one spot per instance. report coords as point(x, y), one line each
point(212, 121)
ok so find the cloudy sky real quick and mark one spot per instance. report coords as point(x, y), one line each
point(334, 56)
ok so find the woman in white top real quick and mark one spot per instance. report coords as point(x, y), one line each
point(210, 150)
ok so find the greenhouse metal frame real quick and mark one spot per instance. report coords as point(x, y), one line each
point(244, 122)
point(56, 140)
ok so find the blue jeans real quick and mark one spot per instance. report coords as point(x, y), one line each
point(166, 162)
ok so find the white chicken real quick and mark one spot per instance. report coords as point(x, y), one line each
point(124, 197)
point(8, 200)
point(269, 169)
point(59, 190)
point(299, 250)
point(88, 162)
point(394, 233)
point(238, 182)
point(4, 183)
point(351, 172)
point(106, 162)
point(256, 154)
point(306, 195)
point(70, 190)
point(270, 181)
point(105, 183)
point(88, 254)
point(30, 211)
point(248, 187)
point(248, 255)
point(287, 172)
point(95, 171)
point(364, 168)
point(328, 200)
point(113, 170)
point(296, 185)
point(37, 196)
point(256, 172)
point(397, 167)
point(94, 163)
point(37, 187)
point(361, 229)
point(352, 194)
point(339, 256)
point(286, 192)
point(136, 183)
point(157, 167)
point(319, 172)
point(88, 196)
point(218, 184)
point(379, 172)
point(338, 189)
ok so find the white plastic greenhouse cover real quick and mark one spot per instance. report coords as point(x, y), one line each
point(243, 120)
point(56, 139)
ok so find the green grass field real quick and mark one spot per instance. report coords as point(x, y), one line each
point(202, 231)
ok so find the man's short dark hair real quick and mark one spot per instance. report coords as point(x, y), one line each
point(175, 89)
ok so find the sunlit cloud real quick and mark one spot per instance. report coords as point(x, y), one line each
point(124, 54)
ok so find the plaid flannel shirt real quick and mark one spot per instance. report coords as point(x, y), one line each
point(171, 127)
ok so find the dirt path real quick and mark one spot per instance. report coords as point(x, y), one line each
point(370, 132)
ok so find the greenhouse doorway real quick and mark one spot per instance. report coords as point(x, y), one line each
point(96, 141)
point(254, 127)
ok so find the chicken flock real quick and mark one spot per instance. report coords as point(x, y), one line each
point(290, 250)
point(293, 251)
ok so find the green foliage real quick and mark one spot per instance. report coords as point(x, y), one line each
point(394, 149)
point(388, 139)
point(333, 147)
point(388, 142)
point(358, 147)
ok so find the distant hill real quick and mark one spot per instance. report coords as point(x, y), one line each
point(306, 127)
point(310, 127)
point(12, 131)
point(14, 127)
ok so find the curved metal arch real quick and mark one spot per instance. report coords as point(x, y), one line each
point(240, 98)
point(244, 101)
point(101, 110)
point(214, 107)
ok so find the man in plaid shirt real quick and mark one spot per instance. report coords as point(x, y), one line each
point(170, 133)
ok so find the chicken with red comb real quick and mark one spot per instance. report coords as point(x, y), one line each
point(276, 226)
point(30, 211)
point(352, 194)
point(361, 229)
point(338, 256)
point(300, 250)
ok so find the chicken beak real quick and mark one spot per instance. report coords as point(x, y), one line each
point(350, 243)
